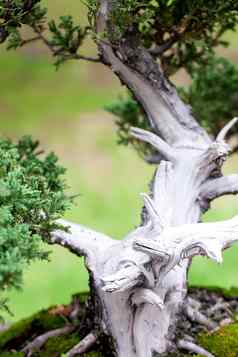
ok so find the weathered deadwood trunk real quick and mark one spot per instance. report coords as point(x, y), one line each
point(139, 284)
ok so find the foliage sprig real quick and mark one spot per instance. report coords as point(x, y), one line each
point(63, 38)
point(32, 197)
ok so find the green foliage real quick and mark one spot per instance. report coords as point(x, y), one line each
point(60, 344)
point(36, 324)
point(223, 342)
point(46, 320)
point(213, 94)
point(92, 6)
point(31, 199)
point(16, 13)
point(63, 38)
point(66, 38)
point(189, 29)
point(181, 30)
point(128, 113)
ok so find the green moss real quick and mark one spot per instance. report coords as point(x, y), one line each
point(12, 354)
point(24, 329)
point(84, 296)
point(37, 324)
point(58, 345)
point(222, 343)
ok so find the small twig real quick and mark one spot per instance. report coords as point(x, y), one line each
point(84, 58)
point(44, 39)
point(66, 57)
point(159, 50)
point(84, 345)
point(39, 152)
point(39, 341)
point(30, 40)
point(192, 347)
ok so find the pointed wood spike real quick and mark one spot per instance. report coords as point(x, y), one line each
point(152, 211)
point(159, 144)
point(150, 207)
point(222, 135)
point(162, 190)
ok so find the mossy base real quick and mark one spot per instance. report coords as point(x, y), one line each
point(222, 343)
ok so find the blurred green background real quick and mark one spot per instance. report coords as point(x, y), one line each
point(64, 110)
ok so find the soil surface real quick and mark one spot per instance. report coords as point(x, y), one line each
point(220, 306)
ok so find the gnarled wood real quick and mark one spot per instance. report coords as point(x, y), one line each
point(137, 69)
point(139, 284)
point(217, 187)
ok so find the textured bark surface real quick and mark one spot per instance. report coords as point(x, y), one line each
point(139, 284)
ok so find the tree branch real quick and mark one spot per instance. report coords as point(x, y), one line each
point(84, 345)
point(81, 241)
point(163, 148)
point(184, 242)
point(77, 56)
point(192, 347)
point(214, 188)
point(39, 341)
point(44, 39)
point(136, 68)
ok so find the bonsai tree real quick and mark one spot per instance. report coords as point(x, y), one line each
point(138, 286)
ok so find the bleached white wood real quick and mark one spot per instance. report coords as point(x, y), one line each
point(214, 188)
point(84, 345)
point(141, 281)
point(167, 113)
point(224, 131)
point(82, 241)
point(160, 145)
point(192, 347)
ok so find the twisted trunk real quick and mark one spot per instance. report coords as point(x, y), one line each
point(141, 328)
point(139, 284)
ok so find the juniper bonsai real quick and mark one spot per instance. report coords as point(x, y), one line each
point(139, 284)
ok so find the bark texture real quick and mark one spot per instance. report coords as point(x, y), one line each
point(139, 284)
